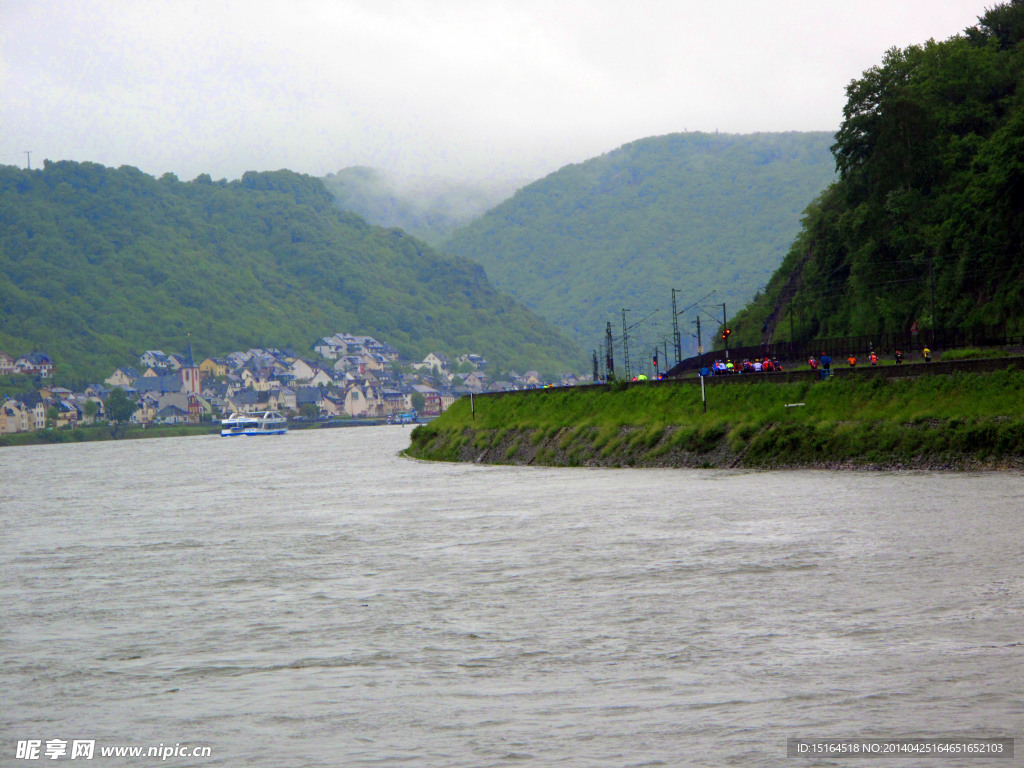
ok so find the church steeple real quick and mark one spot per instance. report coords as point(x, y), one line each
point(190, 372)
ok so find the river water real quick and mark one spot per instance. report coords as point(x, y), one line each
point(317, 600)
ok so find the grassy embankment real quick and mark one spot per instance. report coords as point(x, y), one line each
point(963, 421)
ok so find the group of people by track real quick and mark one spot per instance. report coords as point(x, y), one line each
point(825, 362)
point(822, 363)
point(728, 367)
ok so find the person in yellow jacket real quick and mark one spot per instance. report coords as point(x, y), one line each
point(927, 354)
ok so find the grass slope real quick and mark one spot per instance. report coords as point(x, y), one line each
point(962, 420)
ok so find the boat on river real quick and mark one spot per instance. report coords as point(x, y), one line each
point(266, 423)
point(404, 418)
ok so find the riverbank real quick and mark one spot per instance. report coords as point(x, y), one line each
point(101, 432)
point(136, 432)
point(962, 420)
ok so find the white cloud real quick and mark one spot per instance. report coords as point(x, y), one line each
point(451, 86)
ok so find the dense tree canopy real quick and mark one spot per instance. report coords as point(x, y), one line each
point(693, 211)
point(926, 221)
point(118, 406)
point(98, 264)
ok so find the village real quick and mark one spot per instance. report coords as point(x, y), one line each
point(346, 377)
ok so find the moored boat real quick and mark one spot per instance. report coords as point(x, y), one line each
point(265, 423)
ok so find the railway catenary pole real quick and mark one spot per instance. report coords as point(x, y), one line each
point(609, 359)
point(700, 346)
point(625, 343)
point(676, 339)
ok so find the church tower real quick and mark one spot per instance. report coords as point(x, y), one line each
point(190, 373)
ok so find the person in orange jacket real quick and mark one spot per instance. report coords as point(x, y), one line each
point(852, 361)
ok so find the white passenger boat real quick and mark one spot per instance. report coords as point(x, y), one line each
point(266, 423)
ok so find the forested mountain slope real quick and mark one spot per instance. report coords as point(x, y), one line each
point(926, 222)
point(426, 207)
point(692, 211)
point(98, 264)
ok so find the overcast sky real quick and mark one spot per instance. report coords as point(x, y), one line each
point(471, 88)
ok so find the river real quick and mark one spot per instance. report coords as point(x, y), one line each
point(317, 600)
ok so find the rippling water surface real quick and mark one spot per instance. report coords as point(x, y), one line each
point(316, 600)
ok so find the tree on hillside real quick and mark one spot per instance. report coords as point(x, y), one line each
point(97, 262)
point(692, 211)
point(925, 225)
point(419, 402)
point(119, 408)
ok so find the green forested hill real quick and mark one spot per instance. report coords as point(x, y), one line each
point(98, 264)
point(926, 222)
point(429, 208)
point(692, 211)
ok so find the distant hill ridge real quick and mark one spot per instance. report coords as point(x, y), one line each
point(98, 264)
point(693, 211)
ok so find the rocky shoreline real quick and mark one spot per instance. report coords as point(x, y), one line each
point(638, 447)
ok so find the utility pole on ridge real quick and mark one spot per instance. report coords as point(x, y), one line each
point(609, 360)
point(676, 340)
point(625, 343)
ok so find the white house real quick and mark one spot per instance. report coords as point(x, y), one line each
point(477, 381)
point(436, 360)
point(34, 364)
point(14, 417)
point(286, 399)
point(153, 358)
point(121, 377)
point(321, 378)
point(302, 371)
